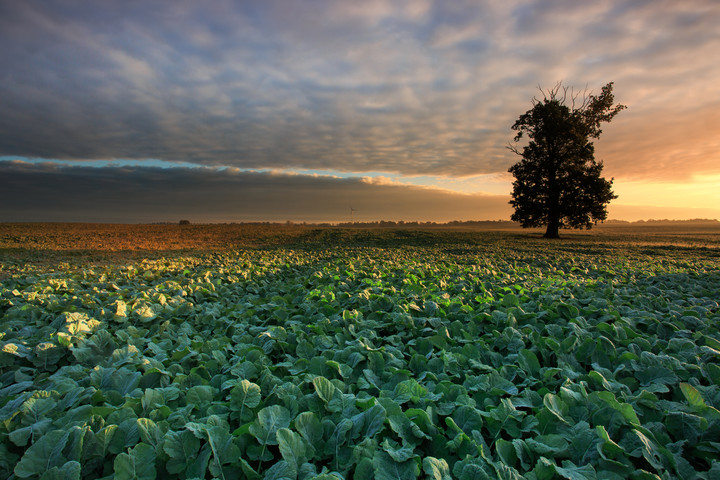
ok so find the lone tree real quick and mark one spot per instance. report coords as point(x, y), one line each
point(557, 182)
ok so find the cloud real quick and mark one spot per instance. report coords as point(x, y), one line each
point(677, 146)
point(42, 192)
point(380, 180)
point(52, 192)
point(411, 88)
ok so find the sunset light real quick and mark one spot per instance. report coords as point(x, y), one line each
point(360, 239)
point(322, 104)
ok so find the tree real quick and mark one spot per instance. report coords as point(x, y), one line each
point(557, 182)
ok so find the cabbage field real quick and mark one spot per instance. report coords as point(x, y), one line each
point(342, 354)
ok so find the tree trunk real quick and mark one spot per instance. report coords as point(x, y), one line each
point(553, 217)
point(553, 205)
point(553, 229)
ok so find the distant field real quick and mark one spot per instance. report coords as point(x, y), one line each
point(237, 351)
point(22, 238)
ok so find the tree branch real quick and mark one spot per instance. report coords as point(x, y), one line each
point(513, 149)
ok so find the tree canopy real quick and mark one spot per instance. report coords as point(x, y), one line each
point(558, 183)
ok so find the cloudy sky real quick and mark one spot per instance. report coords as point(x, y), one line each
point(278, 110)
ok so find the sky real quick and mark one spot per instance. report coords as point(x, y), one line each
point(143, 111)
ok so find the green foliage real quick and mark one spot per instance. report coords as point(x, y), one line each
point(497, 360)
point(137, 464)
point(43, 455)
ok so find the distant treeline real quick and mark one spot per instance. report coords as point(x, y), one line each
point(662, 222)
point(491, 224)
point(377, 223)
point(503, 224)
point(454, 223)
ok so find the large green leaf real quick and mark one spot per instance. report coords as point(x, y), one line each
point(569, 470)
point(125, 381)
point(339, 436)
point(325, 389)
point(149, 432)
point(656, 375)
point(369, 422)
point(549, 445)
point(245, 394)
point(179, 447)
point(69, 471)
point(686, 426)
point(468, 419)
point(309, 426)
point(398, 453)
point(529, 361)
point(126, 435)
point(281, 470)
point(695, 399)
point(612, 412)
point(43, 455)
point(294, 448)
point(98, 444)
point(573, 472)
point(555, 406)
point(224, 451)
point(408, 431)
point(47, 354)
point(137, 464)
point(436, 469)
point(79, 323)
point(269, 421)
point(201, 396)
point(388, 469)
point(608, 448)
point(651, 451)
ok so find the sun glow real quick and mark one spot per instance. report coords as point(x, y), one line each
point(701, 191)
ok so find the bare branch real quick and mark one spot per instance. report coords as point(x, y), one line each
point(513, 149)
point(585, 95)
point(565, 92)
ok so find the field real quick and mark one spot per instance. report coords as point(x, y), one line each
point(271, 352)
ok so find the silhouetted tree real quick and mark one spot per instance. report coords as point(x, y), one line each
point(557, 182)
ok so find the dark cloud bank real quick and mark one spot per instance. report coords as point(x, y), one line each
point(420, 87)
point(48, 192)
